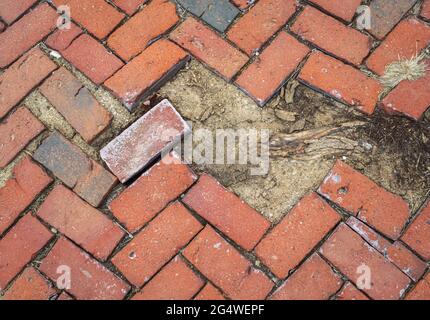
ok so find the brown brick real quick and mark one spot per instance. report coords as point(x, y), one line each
point(347, 251)
point(297, 234)
point(147, 72)
point(314, 280)
point(30, 285)
point(61, 39)
point(227, 212)
point(332, 36)
point(80, 222)
point(209, 292)
point(138, 32)
point(156, 244)
point(19, 246)
point(344, 9)
point(260, 23)
point(206, 45)
point(272, 68)
point(129, 6)
point(421, 291)
point(20, 78)
point(90, 280)
point(27, 181)
point(360, 196)
point(341, 81)
point(151, 135)
point(425, 10)
point(404, 42)
point(151, 193)
point(10, 10)
point(226, 267)
point(350, 292)
point(26, 32)
point(76, 103)
point(176, 281)
point(16, 132)
point(91, 58)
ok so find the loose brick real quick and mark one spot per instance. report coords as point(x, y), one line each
point(19, 246)
point(153, 134)
point(371, 203)
point(350, 292)
point(417, 236)
point(425, 10)
point(331, 35)
point(90, 280)
point(138, 32)
point(227, 212)
point(20, 78)
point(76, 103)
point(176, 281)
point(314, 280)
point(347, 251)
point(27, 181)
point(421, 291)
point(61, 39)
point(401, 101)
point(97, 16)
point(341, 81)
point(146, 73)
point(157, 243)
point(297, 234)
point(91, 58)
point(129, 6)
point(16, 132)
point(226, 267)
point(260, 23)
point(270, 70)
point(25, 33)
point(209, 292)
point(147, 196)
point(207, 46)
point(30, 285)
point(385, 14)
point(10, 10)
point(344, 9)
point(80, 222)
point(404, 42)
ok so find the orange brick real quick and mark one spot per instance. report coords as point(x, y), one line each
point(417, 236)
point(138, 32)
point(206, 45)
point(10, 10)
point(421, 290)
point(209, 292)
point(227, 212)
point(350, 292)
point(61, 39)
point(344, 9)
point(176, 281)
point(341, 81)
point(129, 6)
point(260, 23)
point(156, 244)
point(226, 267)
point(271, 69)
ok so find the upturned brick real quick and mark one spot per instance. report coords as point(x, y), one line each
point(80, 222)
point(350, 292)
point(297, 234)
point(76, 103)
point(129, 6)
point(149, 194)
point(208, 47)
point(153, 134)
point(332, 36)
point(425, 10)
point(348, 252)
point(27, 181)
point(314, 280)
point(176, 281)
point(407, 40)
point(26, 32)
point(221, 263)
point(16, 132)
point(260, 23)
point(90, 279)
point(209, 292)
point(21, 77)
point(156, 244)
point(10, 10)
point(92, 58)
point(341, 81)
point(272, 68)
point(362, 197)
point(227, 212)
point(19, 246)
point(61, 39)
point(138, 32)
point(344, 9)
point(421, 290)
point(147, 72)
